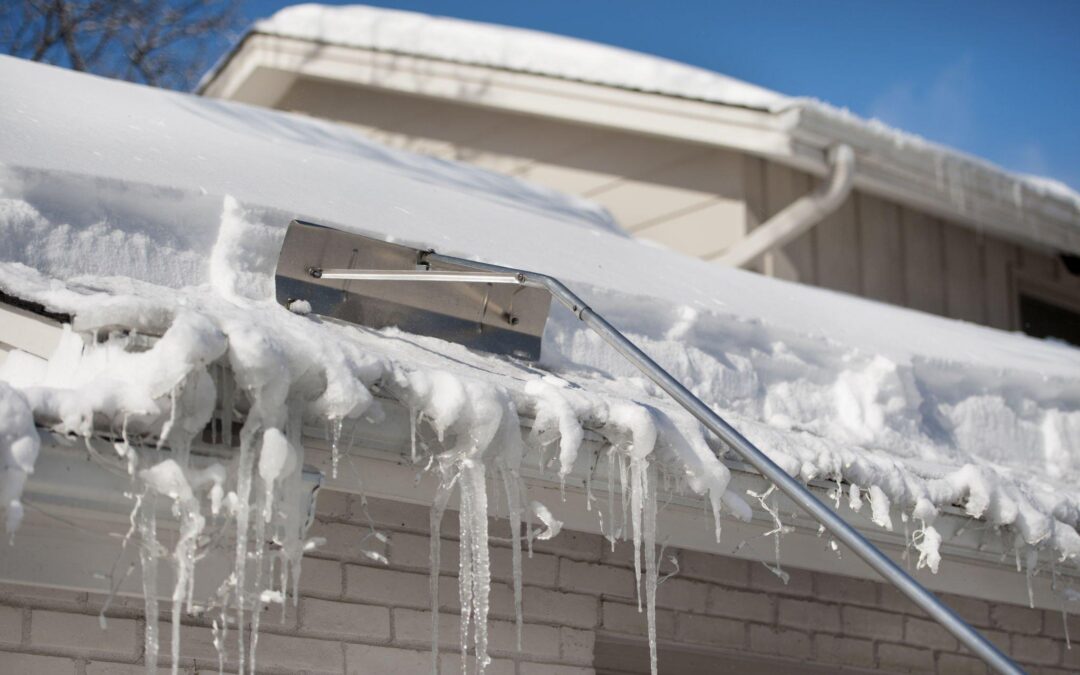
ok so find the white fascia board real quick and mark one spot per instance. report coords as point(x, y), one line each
point(745, 129)
point(937, 180)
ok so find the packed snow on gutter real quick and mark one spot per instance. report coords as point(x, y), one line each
point(953, 169)
point(142, 212)
point(517, 49)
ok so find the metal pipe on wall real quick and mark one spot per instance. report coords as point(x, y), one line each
point(798, 216)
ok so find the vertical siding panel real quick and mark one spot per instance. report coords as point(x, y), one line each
point(783, 186)
point(753, 183)
point(924, 262)
point(963, 274)
point(881, 250)
point(801, 250)
point(836, 240)
point(999, 259)
point(753, 196)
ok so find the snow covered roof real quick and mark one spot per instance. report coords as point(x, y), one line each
point(154, 210)
point(892, 163)
point(518, 49)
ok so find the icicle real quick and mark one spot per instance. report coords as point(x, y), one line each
point(295, 521)
point(148, 557)
point(928, 542)
point(553, 526)
point(166, 429)
point(475, 573)
point(588, 490)
point(276, 460)
point(776, 532)
point(218, 632)
point(611, 498)
point(335, 445)
point(438, 507)
point(228, 402)
point(1031, 560)
point(637, 488)
point(854, 498)
point(412, 434)
point(626, 494)
point(169, 478)
point(1065, 626)
point(512, 484)
point(1063, 598)
point(243, 493)
point(465, 570)
point(648, 517)
point(879, 507)
point(114, 584)
point(257, 563)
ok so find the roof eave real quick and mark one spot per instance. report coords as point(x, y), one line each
point(928, 177)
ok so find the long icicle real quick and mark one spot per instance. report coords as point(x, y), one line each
point(260, 536)
point(148, 557)
point(651, 566)
point(465, 565)
point(512, 485)
point(480, 574)
point(438, 508)
point(637, 483)
point(243, 493)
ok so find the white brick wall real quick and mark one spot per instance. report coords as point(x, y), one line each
point(355, 616)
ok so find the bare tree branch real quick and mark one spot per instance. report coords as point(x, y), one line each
point(166, 43)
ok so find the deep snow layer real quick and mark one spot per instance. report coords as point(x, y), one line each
point(164, 213)
point(517, 49)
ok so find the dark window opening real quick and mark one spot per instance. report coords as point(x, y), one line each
point(1042, 319)
point(1071, 263)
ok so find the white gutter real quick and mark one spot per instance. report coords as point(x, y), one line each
point(800, 215)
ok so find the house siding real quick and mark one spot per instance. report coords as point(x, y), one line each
point(355, 616)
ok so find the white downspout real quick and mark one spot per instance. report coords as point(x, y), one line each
point(800, 215)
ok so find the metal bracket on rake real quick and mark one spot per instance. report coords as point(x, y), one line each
point(378, 284)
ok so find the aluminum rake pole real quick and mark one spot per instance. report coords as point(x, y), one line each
point(791, 487)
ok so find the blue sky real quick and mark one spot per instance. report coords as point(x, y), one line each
point(996, 79)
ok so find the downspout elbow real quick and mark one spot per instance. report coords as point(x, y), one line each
point(800, 215)
point(831, 195)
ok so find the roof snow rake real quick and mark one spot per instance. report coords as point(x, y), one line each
point(498, 309)
point(358, 279)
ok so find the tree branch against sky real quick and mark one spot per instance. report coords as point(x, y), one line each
point(165, 43)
